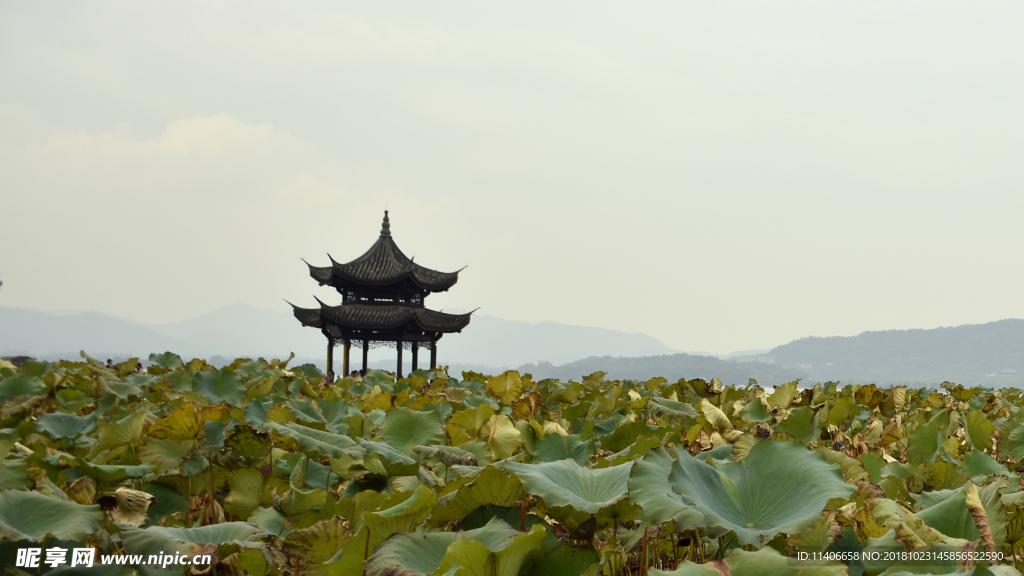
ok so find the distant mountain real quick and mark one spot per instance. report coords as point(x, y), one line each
point(989, 354)
point(492, 341)
point(672, 366)
point(39, 334)
point(241, 330)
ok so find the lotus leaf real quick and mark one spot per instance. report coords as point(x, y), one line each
point(315, 441)
point(33, 516)
point(496, 549)
point(779, 488)
point(59, 425)
point(201, 540)
point(404, 429)
point(552, 447)
point(220, 386)
point(927, 440)
point(673, 408)
point(311, 547)
point(566, 483)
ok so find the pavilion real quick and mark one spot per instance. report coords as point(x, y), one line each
point(383, 293)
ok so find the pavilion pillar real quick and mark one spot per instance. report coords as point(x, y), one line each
point(348, 344)
point(433, 354)
point(415, 356)
point(330, 354)
point(398, 371)
point(366, 351)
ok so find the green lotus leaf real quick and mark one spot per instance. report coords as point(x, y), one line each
point(316, 442)
point(448, 455)
point(497, 549)
point(201, 540)
point(412, 554)
point(755, 412)
point(110, 473)
point(627, 433)
point(566, 559)
point(22, 386)
point(552, 447)
point(840, 410)
point(14, 475)
point(167, 360)
point(1011, 434)
point(59, 425)
point(484, 556)
point(384, 460)
point(926, 441)
point(488, 487)
point(250, 489)
point(946, 511)
point(979, 430)
point(566, 483)
point(638, 449)
point(220, 386)
point(909, 530)
point(783, 395)
point(271, 521)
point(305, 410)
point(873, 464)
point(802, 424)
point(298, 498)
point(649, 487)
point(673, 408)
point(780, 487)
point(404, 429)
point(979, 463)
point(373, 528)
point(128, 431)
point(32, 516)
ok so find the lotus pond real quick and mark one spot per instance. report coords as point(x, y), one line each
point(271, 470)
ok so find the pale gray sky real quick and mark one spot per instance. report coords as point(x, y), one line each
point(717, 175)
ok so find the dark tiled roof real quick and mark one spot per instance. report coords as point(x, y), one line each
point(384, 264)
point(381, 317)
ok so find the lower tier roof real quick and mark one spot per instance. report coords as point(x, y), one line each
point(380, 317)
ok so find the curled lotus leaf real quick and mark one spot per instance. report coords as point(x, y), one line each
point(316, 442)
point(780, 487)
point(200, 540)
point(31, 516)
point(673, 408)
point(566, 483)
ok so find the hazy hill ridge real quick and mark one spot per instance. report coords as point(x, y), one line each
point(242, 330)
point(990, 354)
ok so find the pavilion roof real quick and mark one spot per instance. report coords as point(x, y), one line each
point(381, 317)
point(383, 264)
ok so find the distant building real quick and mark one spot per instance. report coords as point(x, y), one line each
point(749, 359)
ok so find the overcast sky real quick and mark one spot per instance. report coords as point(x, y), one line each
point(720, 176)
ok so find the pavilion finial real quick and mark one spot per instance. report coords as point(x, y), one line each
point(385, 227)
